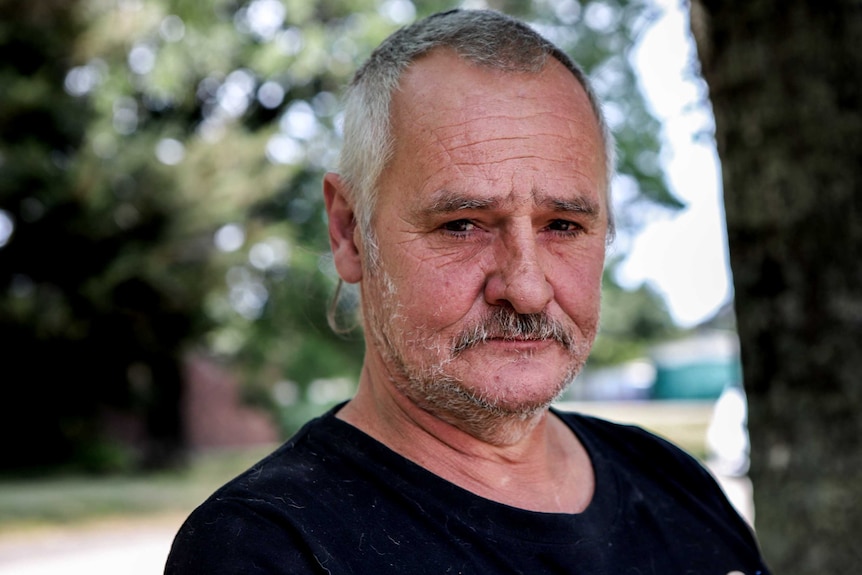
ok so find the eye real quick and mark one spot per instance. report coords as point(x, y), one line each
point(459, 226)
point(565, 227)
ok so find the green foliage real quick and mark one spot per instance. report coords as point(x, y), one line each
point(631, 321)
point(161, 161)
point(97, 300)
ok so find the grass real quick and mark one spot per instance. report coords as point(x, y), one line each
point(68, 500)
point(684, 423)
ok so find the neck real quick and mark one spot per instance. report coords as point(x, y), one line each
point(532, 462)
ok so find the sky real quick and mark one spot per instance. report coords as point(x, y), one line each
point(684, 255)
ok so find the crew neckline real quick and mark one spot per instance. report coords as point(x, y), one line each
point(447, 501)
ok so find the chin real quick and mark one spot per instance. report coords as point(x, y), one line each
point(500, 410)
point(518, 387)
point(521, 402)
point(497, 421)
point(497, 397)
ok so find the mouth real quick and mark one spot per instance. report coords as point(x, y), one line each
point(511, 331)
point(520, 343)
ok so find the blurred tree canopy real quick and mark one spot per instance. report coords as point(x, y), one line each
point(160, 167)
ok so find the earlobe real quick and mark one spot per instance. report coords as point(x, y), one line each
point(342, 229)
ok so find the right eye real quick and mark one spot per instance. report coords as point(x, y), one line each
point(459, 226)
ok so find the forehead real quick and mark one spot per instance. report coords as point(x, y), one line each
point(450, 115)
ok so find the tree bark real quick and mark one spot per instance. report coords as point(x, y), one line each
point(785, 82)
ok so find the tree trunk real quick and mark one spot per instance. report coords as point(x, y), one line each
point(785, 81)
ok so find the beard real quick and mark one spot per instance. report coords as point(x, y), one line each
point(432, 385)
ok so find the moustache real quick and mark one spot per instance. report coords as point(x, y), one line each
point(506, 324)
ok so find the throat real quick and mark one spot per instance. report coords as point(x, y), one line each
point(560, 480)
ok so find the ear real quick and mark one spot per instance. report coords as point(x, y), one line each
point(342, 229)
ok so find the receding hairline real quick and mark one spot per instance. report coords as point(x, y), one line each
point(532, 58)
point(409, 99)
point(581, 90)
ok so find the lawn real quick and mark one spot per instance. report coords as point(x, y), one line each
point(67, 500)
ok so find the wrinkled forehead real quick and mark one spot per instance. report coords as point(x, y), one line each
point(446, 109)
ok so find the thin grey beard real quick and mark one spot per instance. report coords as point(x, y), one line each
point(447, 398)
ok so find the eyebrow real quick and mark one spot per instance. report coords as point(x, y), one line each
point(579, 205)
point(447, 201)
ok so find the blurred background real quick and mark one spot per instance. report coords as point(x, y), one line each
point(164, 263)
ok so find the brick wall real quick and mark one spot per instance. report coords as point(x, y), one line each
point(213, 414)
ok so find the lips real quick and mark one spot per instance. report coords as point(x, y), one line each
point(518, 343)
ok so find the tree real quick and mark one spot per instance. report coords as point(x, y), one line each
point(99, 295)
point(785, 81)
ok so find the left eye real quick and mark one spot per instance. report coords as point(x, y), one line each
point(564, 226)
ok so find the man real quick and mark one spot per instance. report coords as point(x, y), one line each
point(472, 209)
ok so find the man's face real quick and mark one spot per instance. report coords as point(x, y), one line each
point(490, 227)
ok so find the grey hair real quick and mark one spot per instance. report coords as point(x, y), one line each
point(485, 38)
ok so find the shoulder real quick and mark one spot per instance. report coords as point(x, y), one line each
point(661, 485)
point(231, 535)
point(652, 468)
point(264, 509)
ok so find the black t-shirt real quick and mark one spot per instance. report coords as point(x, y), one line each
point(334, 500)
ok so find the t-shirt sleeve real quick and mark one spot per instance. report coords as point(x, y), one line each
point(230, 536)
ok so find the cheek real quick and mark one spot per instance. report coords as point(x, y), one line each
point(579, 291)
point(439, 297)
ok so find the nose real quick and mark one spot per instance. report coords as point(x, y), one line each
point(518, 279)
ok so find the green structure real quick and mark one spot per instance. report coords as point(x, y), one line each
point(698, 367)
